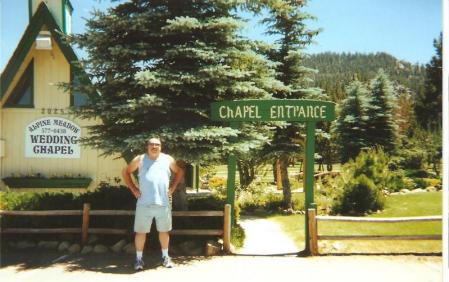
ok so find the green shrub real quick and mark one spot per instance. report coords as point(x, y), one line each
point(359, 188)
point(360, 195)
point(397, 181)
point(216, 182)
point(426, 182)
point(237, 236)
point(217, 185)
point(419, 173)
point(412, 158)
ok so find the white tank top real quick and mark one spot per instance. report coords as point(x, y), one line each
point(154, 180)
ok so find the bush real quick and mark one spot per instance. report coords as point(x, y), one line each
point(237, 236)
point(359, 188)
point(398, 181)
point(217, 185)
point(412, 158)
point(418, 173)
point(360, 195)
point(426, 182)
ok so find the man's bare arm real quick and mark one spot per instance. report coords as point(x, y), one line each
point(179, 174)
point(126, 174)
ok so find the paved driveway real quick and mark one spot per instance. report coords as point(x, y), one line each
point(112, 267)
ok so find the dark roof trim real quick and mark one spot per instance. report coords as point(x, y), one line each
point(40, 18)
point(70, 5)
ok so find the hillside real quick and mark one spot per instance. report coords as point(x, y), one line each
point(335, 70)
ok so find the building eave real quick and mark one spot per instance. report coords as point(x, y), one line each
point(42, 17)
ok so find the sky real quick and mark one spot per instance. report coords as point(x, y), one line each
point(403, 28)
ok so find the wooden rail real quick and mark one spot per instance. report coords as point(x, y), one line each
point(314, 237)
point(85, 230)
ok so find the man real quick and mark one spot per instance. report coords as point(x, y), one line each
point(152, 193)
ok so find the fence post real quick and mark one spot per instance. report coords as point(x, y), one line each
point(313, 233)
point(85, 226)
point(227, 229)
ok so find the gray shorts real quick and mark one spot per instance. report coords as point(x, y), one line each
point(144, 218)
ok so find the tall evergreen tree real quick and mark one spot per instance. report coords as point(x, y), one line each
point(381, 126)
point(350, 127)
point(428, 106)
point(287, 19)
point(156, 66)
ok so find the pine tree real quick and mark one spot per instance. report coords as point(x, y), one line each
point(381, 127)
point(428, 107)
point(287, 19)
point(156, 66)
point(350, 127)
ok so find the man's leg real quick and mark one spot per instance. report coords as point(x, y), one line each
point(164, 239)
point(139, 241)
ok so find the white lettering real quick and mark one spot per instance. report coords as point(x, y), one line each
point(323, 111)
point(222, 113)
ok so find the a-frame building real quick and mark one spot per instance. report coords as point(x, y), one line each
point(37, 133)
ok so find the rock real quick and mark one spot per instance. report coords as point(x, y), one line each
point(100, 249)
point(418, 190)
point(63, 246)
point(431, 189)
point(404, 191)
point(87, 249)
point(336, 246)
point(213, 248)
point(117, 247)
point(191, 248)
point(75, 248)
point(48, 244)
point(92, 239)
point(25, 245)
point(288, 211)
point(129, 248)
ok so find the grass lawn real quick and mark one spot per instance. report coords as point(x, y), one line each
point(419, 204)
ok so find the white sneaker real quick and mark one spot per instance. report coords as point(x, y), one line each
point(138, 265)
point(166, 262)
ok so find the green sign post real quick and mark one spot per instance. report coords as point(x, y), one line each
point(298, 110)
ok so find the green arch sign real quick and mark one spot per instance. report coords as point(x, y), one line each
point(273, 110)
point(298, 110)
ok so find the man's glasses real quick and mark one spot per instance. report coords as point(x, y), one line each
point(154, 144)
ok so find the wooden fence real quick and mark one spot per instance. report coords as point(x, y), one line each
point(314, 237)
point(86, 213)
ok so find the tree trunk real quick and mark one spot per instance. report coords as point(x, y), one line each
point(275, 172)
point(286, 191)
point(300, 173)
point(246, 173)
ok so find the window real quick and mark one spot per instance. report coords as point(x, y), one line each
point(22, 95)
point(77, 98)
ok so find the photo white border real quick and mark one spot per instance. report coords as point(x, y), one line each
point(445, 140)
